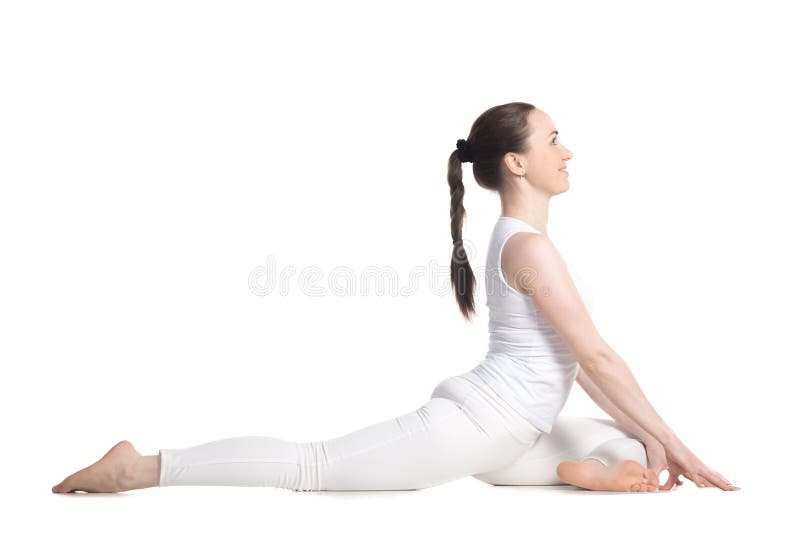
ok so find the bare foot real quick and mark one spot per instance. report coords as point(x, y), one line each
point(626, 475)
point(112, 473)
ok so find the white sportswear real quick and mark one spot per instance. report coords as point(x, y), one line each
point(528, 364)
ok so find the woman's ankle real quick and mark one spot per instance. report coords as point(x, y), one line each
point(145, 473)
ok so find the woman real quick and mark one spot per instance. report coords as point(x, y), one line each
point(497, 422)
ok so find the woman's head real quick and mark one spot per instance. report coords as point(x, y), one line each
point(514, 152)
point(542, 165)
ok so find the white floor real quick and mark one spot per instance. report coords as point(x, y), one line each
point(463, 505)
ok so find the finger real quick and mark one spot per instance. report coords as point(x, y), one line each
point(725, 480)
point(693, 476)
point(719, 481)
point(700, 481)
point(671, 479)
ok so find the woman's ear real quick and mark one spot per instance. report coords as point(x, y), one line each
point(513, 163)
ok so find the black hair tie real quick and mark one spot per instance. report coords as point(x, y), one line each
point(457, 242)
point(464, 151)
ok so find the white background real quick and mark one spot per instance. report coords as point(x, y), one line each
point(154, 154)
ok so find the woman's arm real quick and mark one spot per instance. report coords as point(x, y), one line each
point(607, 406)
point(534, 267)
point(613, 377)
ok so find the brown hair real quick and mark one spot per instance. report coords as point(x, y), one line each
point(496, 132)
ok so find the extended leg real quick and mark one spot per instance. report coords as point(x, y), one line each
point(435, 444)
point(445, 439)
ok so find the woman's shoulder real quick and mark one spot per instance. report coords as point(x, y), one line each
point(524, 255)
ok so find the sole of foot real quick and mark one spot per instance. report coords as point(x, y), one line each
point(625, 476)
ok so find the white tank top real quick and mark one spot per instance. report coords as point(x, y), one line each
point(528, 364)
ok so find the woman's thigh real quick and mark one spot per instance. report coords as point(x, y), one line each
point(457, 433)
point(571, 438)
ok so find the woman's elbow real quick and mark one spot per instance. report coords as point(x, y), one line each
point(597, 359)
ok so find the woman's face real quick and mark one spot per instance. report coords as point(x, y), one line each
point(547, 156)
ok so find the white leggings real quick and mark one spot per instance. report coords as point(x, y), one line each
point(464, 429)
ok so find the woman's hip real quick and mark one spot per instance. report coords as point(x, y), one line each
point(486, 408)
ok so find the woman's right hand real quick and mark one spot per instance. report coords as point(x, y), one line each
point(682, 461)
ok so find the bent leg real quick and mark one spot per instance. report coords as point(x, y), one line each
point(443, 440)
point(616, 450)
point(571, 438)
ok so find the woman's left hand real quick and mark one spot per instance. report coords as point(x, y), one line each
point(657, 459)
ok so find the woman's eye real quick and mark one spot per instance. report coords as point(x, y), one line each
point(554, 140)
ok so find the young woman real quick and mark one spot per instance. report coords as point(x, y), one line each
point(497, 422)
